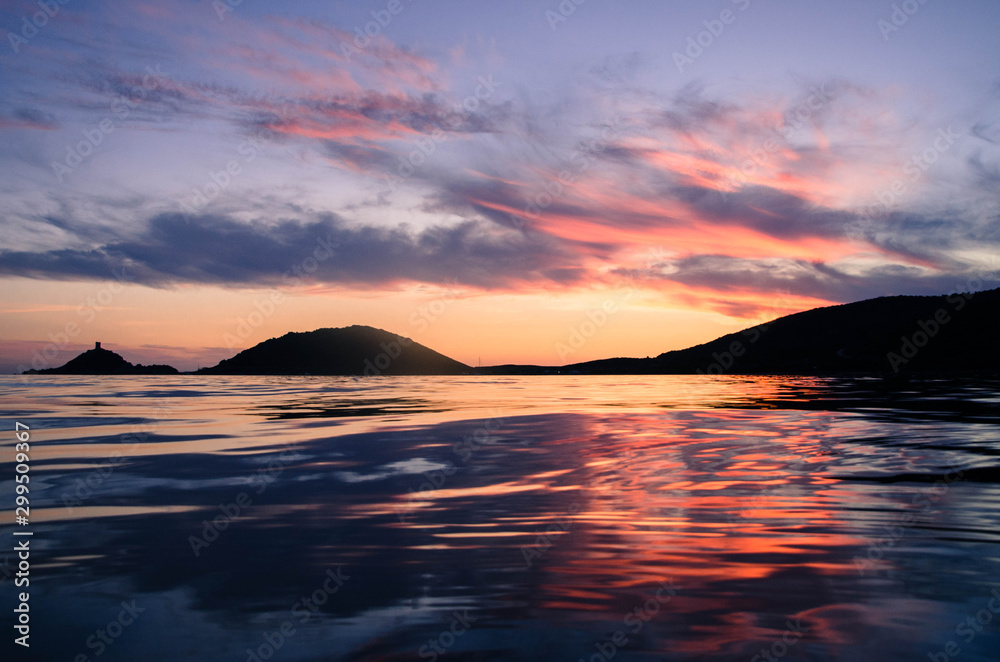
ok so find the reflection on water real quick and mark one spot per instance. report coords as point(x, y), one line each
point(521, 518)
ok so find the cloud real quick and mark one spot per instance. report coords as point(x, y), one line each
point(723, 274)
point(987, 174)
point(209, 249)
point(746, 192)
point(373, 117)
point(765, 210)
point(28, 118)
point(617, 71)
point(319, 84)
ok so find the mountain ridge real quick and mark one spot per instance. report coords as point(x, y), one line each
point(943, 333)
point(883, 335)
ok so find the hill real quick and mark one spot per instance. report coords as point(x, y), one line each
point(353, 350)
point(885, 336)
point(100, 361)
point(900, 334)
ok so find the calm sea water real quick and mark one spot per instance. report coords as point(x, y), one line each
point(521, 518)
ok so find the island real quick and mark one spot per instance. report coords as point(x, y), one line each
point(948, 334)
point(100, 361)
point(354, 350)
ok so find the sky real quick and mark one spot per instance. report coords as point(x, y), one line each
point(519, 182)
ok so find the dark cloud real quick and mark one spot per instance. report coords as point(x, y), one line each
point(28, 118)
point(618, 70)
point(175, 248)
point(481, 198)
point(987, 174)
point(722, 273)
point(367, 157)
point(374, 116)
point(690, 110)
point(765, 210)
point(988, 131)
point(925, 238)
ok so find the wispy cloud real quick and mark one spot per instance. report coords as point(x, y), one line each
point(28, 118)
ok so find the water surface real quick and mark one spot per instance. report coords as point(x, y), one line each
point(516, 518)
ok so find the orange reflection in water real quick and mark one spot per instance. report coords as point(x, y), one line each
point(739, 503)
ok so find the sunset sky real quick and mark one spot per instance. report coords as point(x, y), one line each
point(181, 180)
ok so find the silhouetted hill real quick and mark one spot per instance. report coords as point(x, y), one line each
point(100, 361)
point(955, 333)
point(887, 335)
point(354, 350)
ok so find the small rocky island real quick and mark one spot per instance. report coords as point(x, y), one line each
point(100, 361)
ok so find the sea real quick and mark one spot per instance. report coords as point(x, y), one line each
point(449, 519)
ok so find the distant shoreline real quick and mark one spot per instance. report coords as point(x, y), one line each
point(888, 336)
